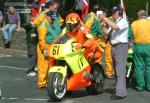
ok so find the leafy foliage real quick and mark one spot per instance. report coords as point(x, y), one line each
point(132, 6)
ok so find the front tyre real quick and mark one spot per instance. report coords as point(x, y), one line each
point(56, 89)
point(97, 79)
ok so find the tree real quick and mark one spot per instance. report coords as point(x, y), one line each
point(133, 6)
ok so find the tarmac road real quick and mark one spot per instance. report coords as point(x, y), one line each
point(18, 88)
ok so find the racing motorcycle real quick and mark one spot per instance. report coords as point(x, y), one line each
point(72, 71)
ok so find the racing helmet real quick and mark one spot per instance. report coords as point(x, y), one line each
point(73, 21)
point(73, 18)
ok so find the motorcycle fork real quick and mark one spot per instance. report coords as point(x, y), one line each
point(63, 79)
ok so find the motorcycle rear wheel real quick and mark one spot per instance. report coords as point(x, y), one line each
point(97, 82)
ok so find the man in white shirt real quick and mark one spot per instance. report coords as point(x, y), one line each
point(119, 39)
point(120, 35)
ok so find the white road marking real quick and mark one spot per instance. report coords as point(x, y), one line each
point(24, 55)
point(26, 99)
point(34, 99)
point(16, 68)
point(5, 55)
point(68, 101)
point(18, 79)
point(12, 98)
point(9, 56)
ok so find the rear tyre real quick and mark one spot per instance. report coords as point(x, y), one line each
point(97, 81)
point(55, 89)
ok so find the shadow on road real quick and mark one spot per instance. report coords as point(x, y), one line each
point(75, 94)
point(109, 90)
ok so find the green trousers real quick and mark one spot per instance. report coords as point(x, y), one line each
point(142, 65)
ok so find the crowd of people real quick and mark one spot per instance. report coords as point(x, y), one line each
point(46, 27)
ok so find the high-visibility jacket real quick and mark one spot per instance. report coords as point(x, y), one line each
point(92, 21)
point(40, 18)
point(141, 31)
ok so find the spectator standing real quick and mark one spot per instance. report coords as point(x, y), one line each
point(141, 39)
point(32, 39)
point(13, 21)
point(119, 42)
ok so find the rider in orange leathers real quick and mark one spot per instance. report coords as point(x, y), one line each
point(80, 32)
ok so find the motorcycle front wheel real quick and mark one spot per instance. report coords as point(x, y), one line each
point(97, 79)
point(56, 89)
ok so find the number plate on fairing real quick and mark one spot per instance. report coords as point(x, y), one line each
point(56, 50)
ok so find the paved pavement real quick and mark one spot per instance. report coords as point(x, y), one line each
point(18, 88)
point(14, 52)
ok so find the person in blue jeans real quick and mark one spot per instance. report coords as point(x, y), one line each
point(13, 23)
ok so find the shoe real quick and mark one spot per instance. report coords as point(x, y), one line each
point(31, 74)
point(42, 86)
point(36, 69)
point(115, 97)
point(7, 44)
point(148, 89)
point(140, 89)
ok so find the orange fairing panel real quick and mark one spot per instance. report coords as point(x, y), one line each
point(78, 80)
